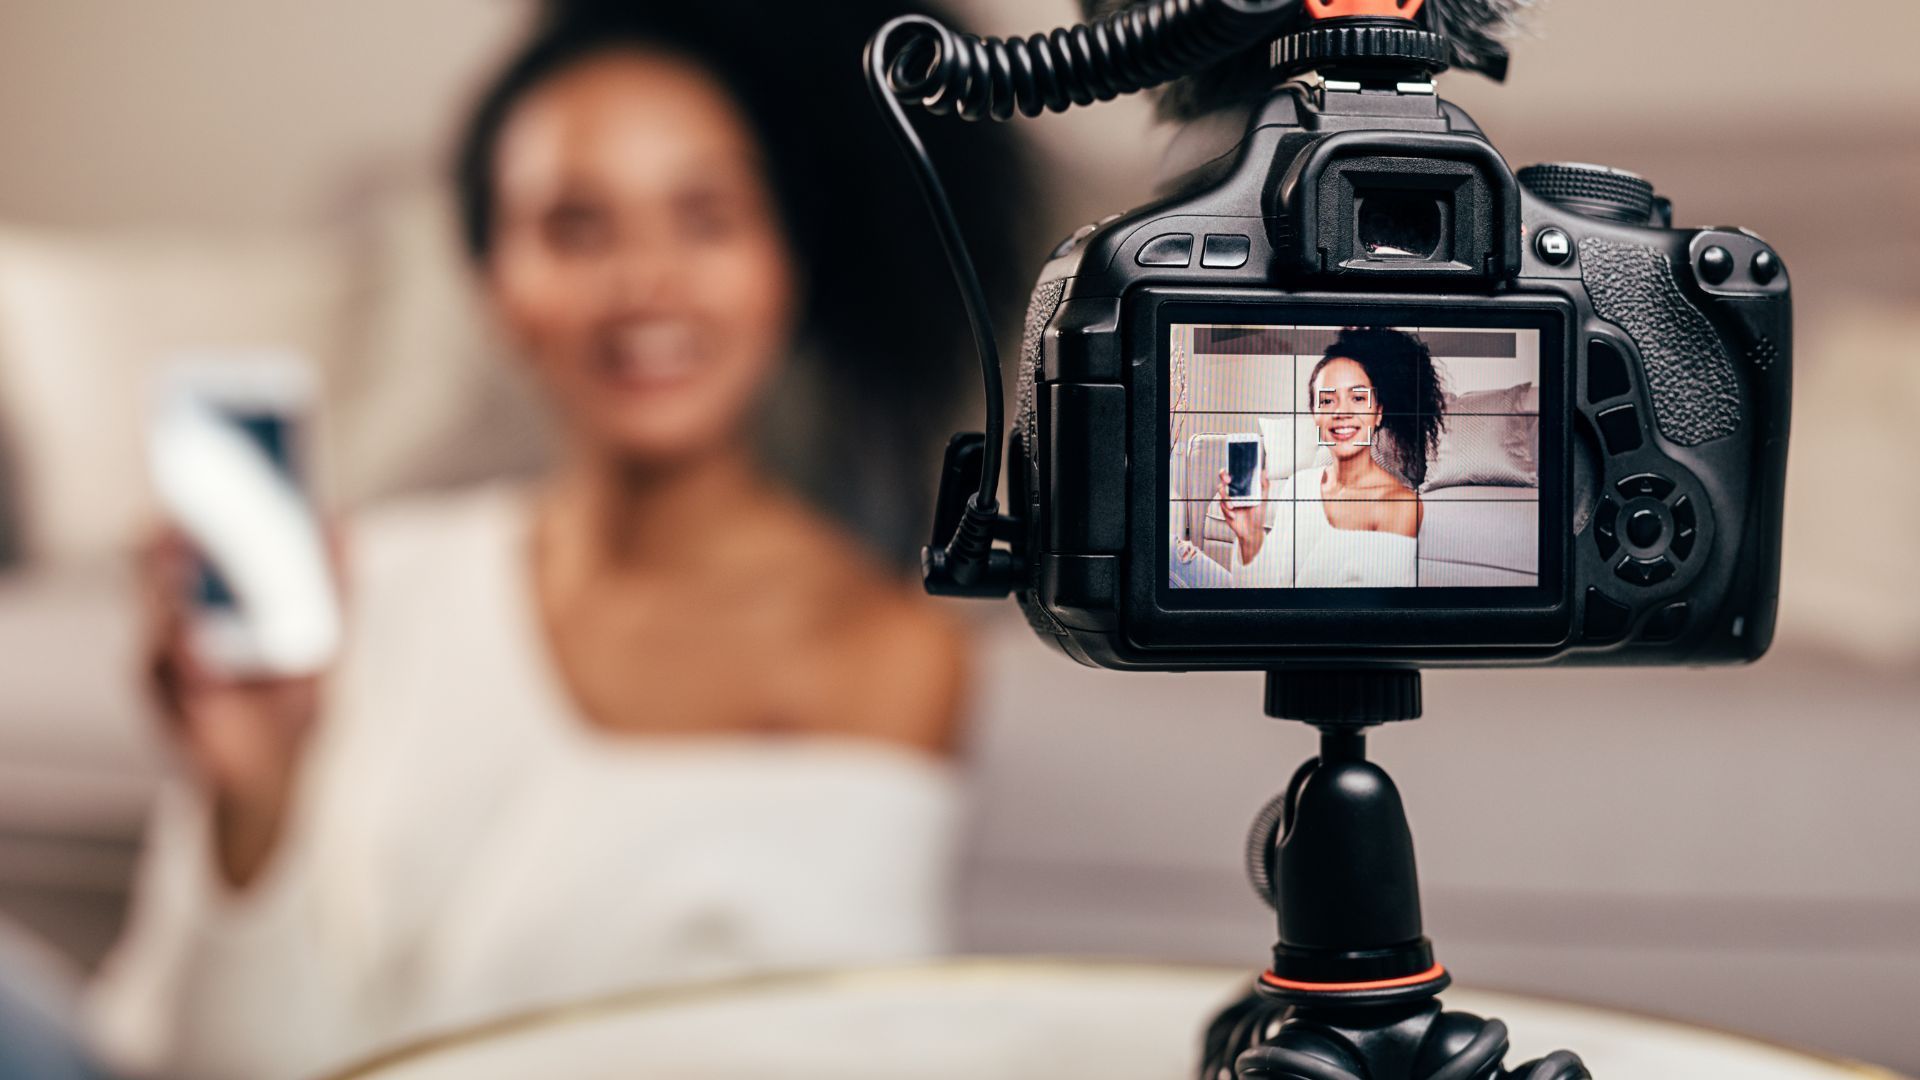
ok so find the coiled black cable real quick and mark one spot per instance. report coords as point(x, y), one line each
point(918, 59)
point(1131, 50)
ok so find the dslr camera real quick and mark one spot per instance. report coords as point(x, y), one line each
point(1353, 399)
point(1356, 393)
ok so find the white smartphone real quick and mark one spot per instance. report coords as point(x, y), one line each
point(1246, 458)
point(229, 449)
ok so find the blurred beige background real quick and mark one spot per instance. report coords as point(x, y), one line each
point(1736, 847)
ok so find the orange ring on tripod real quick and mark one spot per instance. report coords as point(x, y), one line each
point(1433, 974)
point(1343, 9)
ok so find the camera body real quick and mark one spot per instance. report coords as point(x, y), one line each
point(1606, 479)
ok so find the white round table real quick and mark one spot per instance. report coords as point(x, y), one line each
point(1005, 1020)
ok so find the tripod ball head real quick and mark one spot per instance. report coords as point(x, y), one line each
point(1338, 863)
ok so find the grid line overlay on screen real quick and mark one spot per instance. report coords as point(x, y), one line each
point(1475, 518)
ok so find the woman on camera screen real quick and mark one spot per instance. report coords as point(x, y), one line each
point(1376, 405)
point(655, 717)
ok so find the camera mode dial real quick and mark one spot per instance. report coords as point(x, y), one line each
point(1592, 190)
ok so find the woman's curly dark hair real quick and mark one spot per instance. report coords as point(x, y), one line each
point(1407, 389)
point(883, 332)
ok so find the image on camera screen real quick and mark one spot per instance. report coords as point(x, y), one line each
point(1390, 458)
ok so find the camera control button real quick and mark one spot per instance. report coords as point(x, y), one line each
point(1620, 426)
point(1766, 267)
point(1592, 190)
point(1607, 618)
point(1555, 247)
point(1686, 528)
point(1644, 528)
point(1644, 572)
point(1716, 265)
point(1646, 486)
point(1668, 623)
point(1226, 252)
point(1173, 249)
point(1606, 371)
point(1606, 525)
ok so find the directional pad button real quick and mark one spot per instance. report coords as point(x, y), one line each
point(1644, 572)
point(1685, 528)
point(1606, 524)
point(1646, 486)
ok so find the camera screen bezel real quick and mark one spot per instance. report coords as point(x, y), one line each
point(1162, 617)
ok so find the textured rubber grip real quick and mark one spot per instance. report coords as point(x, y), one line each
point(1041, 308)
point(1695, 388)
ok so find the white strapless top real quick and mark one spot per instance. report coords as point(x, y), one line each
point(465, 845)
point(1303, 549)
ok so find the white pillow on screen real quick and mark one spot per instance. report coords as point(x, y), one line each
point(1491, 440)
point(1291, 446)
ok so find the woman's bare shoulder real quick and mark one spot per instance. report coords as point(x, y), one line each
point(893, 660)
point(905, 668)
point(1401, 512)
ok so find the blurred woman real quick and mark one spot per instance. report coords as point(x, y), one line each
point(656, 717)
point(1378, 410)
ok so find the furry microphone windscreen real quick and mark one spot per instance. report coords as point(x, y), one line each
point(1476, 30)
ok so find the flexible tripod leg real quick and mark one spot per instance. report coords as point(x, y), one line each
point(1353, 991)
point(1258, 1039)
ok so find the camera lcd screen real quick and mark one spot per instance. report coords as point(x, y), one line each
point(1392, 457)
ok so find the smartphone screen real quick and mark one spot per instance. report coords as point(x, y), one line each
point(1243, 463)
point(272, 434)
point(229, 455)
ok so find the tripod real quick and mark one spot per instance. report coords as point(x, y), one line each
point(1353, 993)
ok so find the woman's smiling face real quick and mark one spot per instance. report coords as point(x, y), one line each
point(641, 262)
point(1345, 409)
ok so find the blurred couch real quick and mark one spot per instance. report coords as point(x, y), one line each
point(415, 396)
point(377, 300)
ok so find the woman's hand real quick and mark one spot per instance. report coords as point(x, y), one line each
point(1249, 523)
point(243, 737)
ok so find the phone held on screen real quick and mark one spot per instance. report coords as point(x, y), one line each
point(229, 459)
point(1245, 462)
